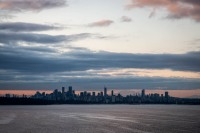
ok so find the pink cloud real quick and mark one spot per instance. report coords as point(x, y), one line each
point(101, 23)
point(177, 8)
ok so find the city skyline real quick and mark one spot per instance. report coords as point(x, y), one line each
point(103, 96)
point(123, 44)
point(123, 92)
point(103, 92)
point(70, 96)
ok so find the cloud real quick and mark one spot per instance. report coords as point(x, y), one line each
point(30, 5)
point(22, 66)
point(25, 27)
point(101, 23)
point(56, 80)
point(125, 19)
point(12, 38)
point(177, 8)
point(10, 7)
point(13, 58)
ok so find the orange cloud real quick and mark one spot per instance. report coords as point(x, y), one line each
point(177, 8)
point(101, 23)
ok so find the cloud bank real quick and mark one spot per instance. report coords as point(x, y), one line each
point(13, 38)
point(43, 60)
point(25, 27)
point(21, 60)
point(177, 8)
point(30, 5)
point(10, 7)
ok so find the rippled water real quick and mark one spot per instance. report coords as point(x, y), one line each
point(100, 118)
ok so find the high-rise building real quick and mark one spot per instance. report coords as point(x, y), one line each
point(85, 93)
point(143, 93)
point(101, 94)
point(112, 93)
point(93, 93)
point(43, 94)
point(105, 91)
point(56, 94)
point(166, 94)
point(63, 90)
point(70, 90)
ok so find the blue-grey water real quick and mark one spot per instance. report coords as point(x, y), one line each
point(100, 119)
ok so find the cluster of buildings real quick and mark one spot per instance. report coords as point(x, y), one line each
point(103, 97)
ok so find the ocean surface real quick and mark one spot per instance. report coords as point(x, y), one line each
point(100, 119)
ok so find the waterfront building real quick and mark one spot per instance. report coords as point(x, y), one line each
point(143, 93)
point(63, 90)
point(112, 93)
point(93, 94)
point(70, 90)
point(105, 91)
point(166, 95)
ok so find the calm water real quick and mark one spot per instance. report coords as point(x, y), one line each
point(100, 118)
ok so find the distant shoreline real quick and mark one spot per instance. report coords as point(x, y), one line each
point(32, 101)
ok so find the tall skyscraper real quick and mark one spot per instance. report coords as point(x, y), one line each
point(101, 94)
point(56, 94)
point(63, 90)
point(143, 93)
point(166, 94)
point(93, 93)
point(85, 93)
point(112, 93)
point(105, 91)
point(70, 89)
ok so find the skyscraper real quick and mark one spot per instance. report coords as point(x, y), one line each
point(166, 94)
point(63, 90)
point(112, 93)
point(143, 93)
point(93, 93)
point(105, 91)
point(101, 94)
point(70, 89)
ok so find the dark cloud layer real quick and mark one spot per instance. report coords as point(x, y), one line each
point(21, 67)
point(12, 38)
point(177, 8)
point(30, 5)
point(98, 83)
point(79, 61)
point(25, 27)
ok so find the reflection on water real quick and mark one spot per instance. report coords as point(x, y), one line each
point(7, 118)
point(84, 116)
point(100, 118)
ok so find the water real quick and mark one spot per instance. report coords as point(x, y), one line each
point(100, 118)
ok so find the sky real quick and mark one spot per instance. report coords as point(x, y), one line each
point(123, 44)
